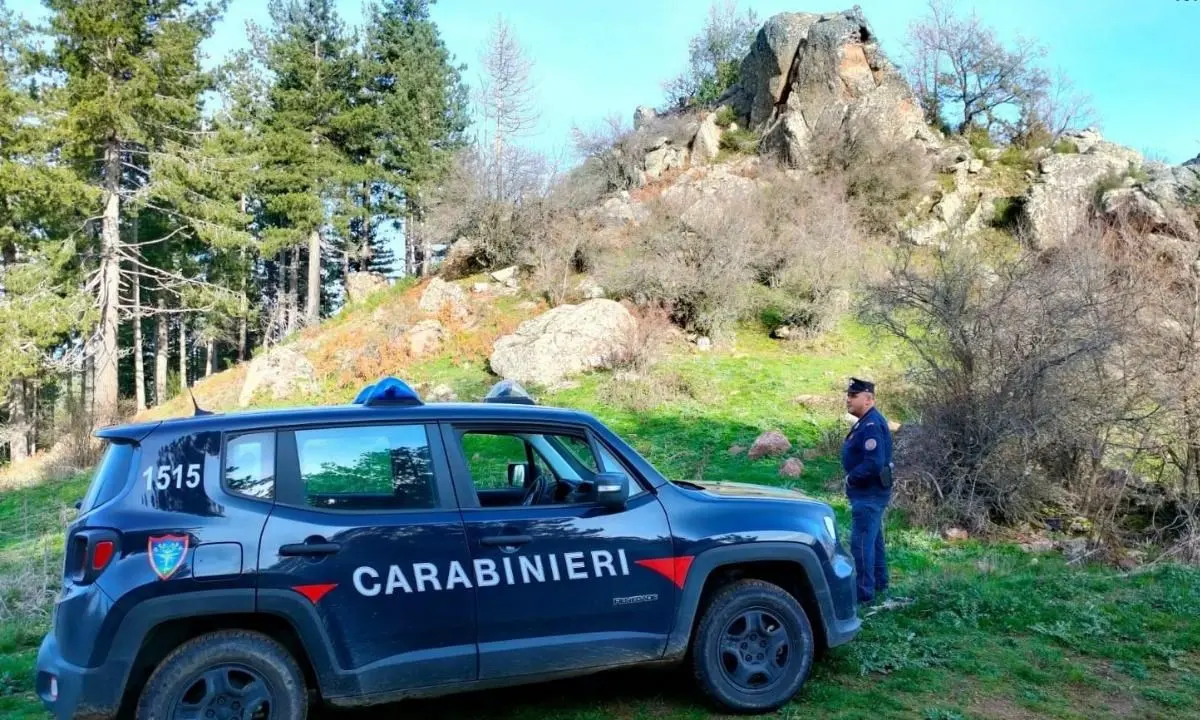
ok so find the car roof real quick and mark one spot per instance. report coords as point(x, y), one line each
point(350, 413)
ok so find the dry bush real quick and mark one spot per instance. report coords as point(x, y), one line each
point(1017, 377)
point(695, 263)
point(614, 154)
point(885, 177)
point(644, 343)
point(648, 392)
point(808, 250)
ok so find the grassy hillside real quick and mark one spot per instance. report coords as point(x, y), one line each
point(993, 631)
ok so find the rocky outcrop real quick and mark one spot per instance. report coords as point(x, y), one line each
point(1113, 181)
point(565, 341)
point(808, 73)
point(360, 285)
point(707, 143)
point(282, 372)
point(1063, 193)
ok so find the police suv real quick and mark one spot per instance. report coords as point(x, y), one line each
point(253, 564)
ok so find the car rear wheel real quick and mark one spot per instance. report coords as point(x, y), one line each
point(753, 649)
point(225, 675)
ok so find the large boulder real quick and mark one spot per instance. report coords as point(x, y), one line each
point(707, 143)
point(565, 341)
point(282, 372)
point(1064, 192)
point(442, 296)
point(425, 338)
point(360, 285)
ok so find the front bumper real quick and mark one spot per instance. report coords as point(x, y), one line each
point(71, 692)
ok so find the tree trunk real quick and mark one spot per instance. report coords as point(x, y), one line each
point(106, 387)
point(312, 310)
point(88, 380)
point(139, 362)
point(293, 289)
point(162, 350)
point(410, 255)
point(366, 252)
point(242, 329)
point(18, 422)
point(183, 354)
point(210, 356)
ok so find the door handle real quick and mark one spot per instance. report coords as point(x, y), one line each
point(320, 548)
point(503, 540)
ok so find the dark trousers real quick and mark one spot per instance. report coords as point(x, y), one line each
point(866, 545)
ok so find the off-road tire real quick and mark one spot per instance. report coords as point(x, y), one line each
point(259, 652)
point(730, 603)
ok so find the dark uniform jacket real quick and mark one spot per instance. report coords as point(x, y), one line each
point(866, 452)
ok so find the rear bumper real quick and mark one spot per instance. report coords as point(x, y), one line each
point(71, 692)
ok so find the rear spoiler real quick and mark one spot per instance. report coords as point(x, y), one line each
point(133, 433)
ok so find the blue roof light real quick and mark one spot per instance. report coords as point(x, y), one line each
point(509, 391)
point(388, 391)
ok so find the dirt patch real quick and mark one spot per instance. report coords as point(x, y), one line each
point(1000, 707)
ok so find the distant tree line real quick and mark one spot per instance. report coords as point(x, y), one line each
point(157, 213)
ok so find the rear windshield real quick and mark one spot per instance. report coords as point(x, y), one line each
point(110, 477)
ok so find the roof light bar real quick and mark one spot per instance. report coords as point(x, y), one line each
point(509, 391)
point(388, 392)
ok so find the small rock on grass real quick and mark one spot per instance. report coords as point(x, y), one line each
point(736, 449)
point(956, 534)
point(791, 468)
point(769, 443)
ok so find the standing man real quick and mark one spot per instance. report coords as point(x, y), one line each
point(867, 461)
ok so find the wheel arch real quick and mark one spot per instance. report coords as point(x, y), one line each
point(793, 566)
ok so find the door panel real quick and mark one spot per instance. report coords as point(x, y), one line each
point(565, 585)
point(381, 578)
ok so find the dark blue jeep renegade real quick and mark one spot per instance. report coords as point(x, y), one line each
point(250, 565)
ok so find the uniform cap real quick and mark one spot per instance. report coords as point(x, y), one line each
point(857, 386)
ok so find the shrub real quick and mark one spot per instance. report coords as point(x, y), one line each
point(885, 177)
point(742, 140)
point(685, 264)
point(725, 117)
point(1065, 147)
point(999, 353)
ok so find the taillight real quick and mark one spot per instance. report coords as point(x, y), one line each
point(101, 554)
point(91, 551)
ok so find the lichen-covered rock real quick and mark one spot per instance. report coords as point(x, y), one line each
point(565, 341)
point(281, 371)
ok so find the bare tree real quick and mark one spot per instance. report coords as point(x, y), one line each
point(959, 61)
point(507, 101)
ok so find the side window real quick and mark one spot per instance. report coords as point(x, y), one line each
point(386, 467)
point(250, 465)
point(488, 457)
point(557, 467)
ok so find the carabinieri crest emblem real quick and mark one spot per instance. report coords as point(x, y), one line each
point(166, 554)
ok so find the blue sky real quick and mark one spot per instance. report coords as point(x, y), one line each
point(1136, 58)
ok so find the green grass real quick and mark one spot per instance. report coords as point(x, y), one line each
point(993, 632)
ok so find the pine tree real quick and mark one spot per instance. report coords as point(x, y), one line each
point(420, 106)
point(307, 53)
point(131, 80)
point(41, 299)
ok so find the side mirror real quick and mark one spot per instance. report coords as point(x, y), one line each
point(612, 489)
point(516, 474)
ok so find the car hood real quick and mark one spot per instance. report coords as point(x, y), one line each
point(750, 490)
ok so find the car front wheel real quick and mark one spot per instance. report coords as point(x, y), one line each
point(753, 649)
point(228, 674)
